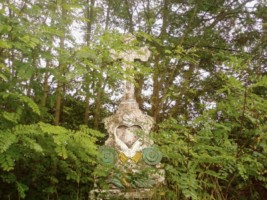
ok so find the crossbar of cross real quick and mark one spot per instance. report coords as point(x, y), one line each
point(127, 57)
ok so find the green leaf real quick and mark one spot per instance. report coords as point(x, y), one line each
point(22, 189)
point(50, 129)
point(8, 178)
point(6, 162)
point(215, 174)
point(6, 140)
point(2, 76)
point(32, 144)
point(5, 28)
point(31, 104)
point(25, 72)
point(12, 117)
point(5, 44)
point(62, 151)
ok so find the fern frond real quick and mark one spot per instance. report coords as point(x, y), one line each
point(50, 129)
point(24, 99)
point(21, 188)
point(6, 140)
point(6, 162)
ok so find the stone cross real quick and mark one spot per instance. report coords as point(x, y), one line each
point(127, 57)
point(129, 148)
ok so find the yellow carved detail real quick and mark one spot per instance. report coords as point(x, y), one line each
point(125, 182)
point(137, 157)
point(122, 157)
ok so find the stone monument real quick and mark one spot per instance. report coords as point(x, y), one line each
point(134, 160)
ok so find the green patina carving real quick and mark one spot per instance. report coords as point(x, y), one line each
point(108, 155)
point(152, 155)
point(133, 180)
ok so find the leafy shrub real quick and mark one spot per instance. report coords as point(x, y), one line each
point(222, 153)
point(40, 161)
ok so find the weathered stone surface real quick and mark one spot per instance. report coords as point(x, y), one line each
point(117, 194)
point(129, 147)
point(129, 129)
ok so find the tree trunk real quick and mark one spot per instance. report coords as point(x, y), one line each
point(165, 14)
point(157, 77)
point(181, 104)
point(138, 90)
point(97, 108)
point(89, 16)
point(87, 109)
point(155, 99)
point(108, 15)
point(100, 87)
point(34, 63)
point(61, 67)
point(130, 16)
point(45, 84)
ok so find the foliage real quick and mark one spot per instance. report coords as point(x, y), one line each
point(220, 154)
point(204, 84)
point(40, 161)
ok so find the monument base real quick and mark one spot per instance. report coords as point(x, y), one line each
point(121, 194)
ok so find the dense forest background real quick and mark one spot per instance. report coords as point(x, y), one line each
point(205, 85)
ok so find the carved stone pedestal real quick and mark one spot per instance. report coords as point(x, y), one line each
point(130, 155)
point(119, 194)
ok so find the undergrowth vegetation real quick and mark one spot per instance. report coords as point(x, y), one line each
point(222, 153)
